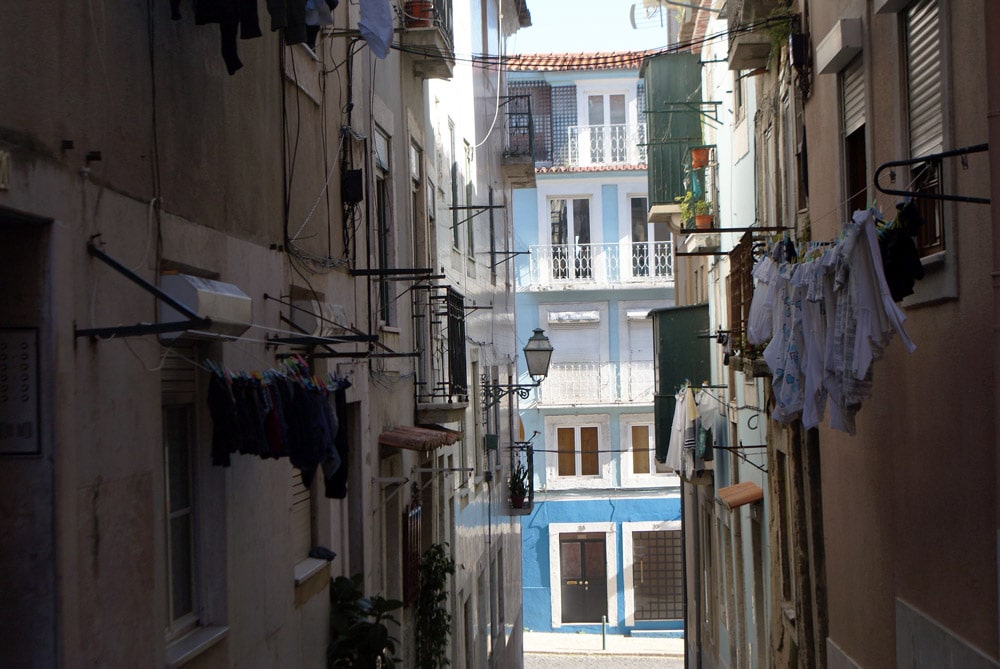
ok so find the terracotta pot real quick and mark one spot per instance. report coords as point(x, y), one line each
point(419, 13)
point(516, 502)
point(703, 221)
point(699, 158)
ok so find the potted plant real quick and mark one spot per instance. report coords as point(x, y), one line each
point(703, 214)
point(419, 13)
point(695, 213)
point(517, 484)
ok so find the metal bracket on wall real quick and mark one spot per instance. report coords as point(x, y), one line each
point(738, 450)
point(194, 322)
point(964, 151)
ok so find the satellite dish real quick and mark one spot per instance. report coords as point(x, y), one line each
point(642, 16)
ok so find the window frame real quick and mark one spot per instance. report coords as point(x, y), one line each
point(628, 562)
point(629, 477)
point(603, 478)
point(178, 626)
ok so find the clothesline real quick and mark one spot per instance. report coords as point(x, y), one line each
point(825, 321)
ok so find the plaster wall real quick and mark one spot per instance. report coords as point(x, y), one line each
point(886, 538)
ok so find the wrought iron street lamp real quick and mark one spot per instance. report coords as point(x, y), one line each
point(537, 356)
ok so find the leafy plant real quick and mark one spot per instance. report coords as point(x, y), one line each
point(433, 624)
point(359, 636)
point(690, 207)
point(779, 27)
point(518, 482)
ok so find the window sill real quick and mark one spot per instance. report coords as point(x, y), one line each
point(307, 569)
point(311, 576)
point(193, 644)
point(933, 260)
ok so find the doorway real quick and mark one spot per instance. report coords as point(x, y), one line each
point(584, 577)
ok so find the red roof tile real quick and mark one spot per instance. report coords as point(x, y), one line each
point(600, 60)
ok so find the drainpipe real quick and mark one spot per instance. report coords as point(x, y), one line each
point(992, 21)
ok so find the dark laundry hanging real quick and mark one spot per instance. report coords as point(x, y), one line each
point(236, 19)
point(282, 413)
point(336, 485)
point(900, 256)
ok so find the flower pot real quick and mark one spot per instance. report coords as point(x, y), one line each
point(699, 158)
point(419, 13)
point(703, 221)
point(517, 502)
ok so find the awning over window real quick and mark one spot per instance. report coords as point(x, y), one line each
point(740, 494)
point(418, 438)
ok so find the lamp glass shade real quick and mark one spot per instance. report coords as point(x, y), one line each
point(538, 354)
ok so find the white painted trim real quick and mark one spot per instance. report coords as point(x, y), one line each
point(627, 550)
point(629, 479)
point(552, 479)
point(555, 566)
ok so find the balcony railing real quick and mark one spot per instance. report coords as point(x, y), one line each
point(605, 145)
point(600, 264)
point(519, 140)
point(586, 383)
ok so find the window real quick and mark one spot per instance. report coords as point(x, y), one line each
point(651, 247)
point(739, 95)
point(852, 82)
point(178, 464)
point(470, 228)
point(658, 575)
point(416, 194)
point(194, 508)
point(925, 117)
point(384, 228)
point(457, 365)
point(570, 235)
point(457, 217)
point(493, 241)
point(578, 450)
point(606, 120)
point(641, 448)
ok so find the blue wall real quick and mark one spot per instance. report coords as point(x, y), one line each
point(535, 568)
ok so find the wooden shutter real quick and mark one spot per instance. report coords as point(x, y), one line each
point(853, 93)
point(923, 77)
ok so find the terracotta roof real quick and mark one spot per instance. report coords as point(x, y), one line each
point(599, 60)
point(568, 169)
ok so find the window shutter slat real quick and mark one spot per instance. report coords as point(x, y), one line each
point(923, 78)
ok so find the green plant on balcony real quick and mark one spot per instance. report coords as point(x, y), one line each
point(779, 27)
point(690, 207)
point(517, 484)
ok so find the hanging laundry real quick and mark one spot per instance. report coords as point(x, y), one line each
point(691, 442)
point(900, 257)
point(828, 319)
point(282, 413)
point(235, 18)
point(376, 26)
point(289, 16)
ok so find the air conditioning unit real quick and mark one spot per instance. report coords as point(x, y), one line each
point(228, 307)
